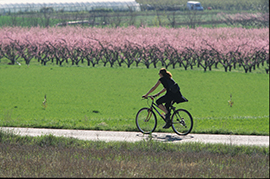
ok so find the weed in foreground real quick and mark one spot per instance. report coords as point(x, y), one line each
point(50, 156)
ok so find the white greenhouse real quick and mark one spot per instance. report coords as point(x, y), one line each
point(14, 6)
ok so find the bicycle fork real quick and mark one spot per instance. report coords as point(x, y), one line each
point(149, 115)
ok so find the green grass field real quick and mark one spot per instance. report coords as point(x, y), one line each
point(104, 98)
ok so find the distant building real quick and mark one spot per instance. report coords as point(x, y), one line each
point(14, 6)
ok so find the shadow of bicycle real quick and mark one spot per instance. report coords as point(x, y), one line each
point(166, 137)
point(173, 138)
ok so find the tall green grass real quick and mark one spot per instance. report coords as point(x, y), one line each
point(103, 98)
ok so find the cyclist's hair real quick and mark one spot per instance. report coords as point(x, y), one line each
point(165, 73)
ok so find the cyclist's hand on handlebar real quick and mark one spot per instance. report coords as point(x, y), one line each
point(144, 96)
point(155, 95)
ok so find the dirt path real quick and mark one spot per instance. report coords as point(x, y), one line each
point(137, 136)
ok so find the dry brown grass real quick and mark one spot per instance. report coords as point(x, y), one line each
point(20, 160)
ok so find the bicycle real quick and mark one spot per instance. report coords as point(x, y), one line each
point(146, 120)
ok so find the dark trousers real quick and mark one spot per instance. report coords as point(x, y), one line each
point(167, 99)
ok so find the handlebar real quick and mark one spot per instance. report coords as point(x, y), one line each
point(152, 97)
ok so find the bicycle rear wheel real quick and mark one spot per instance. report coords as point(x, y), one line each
point(146, 120)
point(182, 122)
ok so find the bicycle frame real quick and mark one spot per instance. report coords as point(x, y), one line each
point(153, 104)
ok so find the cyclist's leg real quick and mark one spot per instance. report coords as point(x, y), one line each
point(159, 102)
point(168, 120)
point(168, 105)
point(165, 99)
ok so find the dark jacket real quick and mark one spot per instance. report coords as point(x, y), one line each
point(177, 96)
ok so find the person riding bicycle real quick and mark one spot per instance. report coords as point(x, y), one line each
point(172, 94)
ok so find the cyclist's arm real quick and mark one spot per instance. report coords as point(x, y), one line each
point(152, 89)
point(162, 91)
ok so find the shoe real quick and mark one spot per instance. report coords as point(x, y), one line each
point(168, 121)
point(167, 117)
point(167, 125)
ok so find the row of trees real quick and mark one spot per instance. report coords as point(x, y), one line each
point(185, 48)
point(172, 19)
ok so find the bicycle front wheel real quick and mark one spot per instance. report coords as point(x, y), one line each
point(146, 120)
point(182, 122)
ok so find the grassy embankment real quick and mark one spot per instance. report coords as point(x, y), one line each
point(49, 156)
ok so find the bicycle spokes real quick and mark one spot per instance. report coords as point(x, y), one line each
point(146, 120)
point(182, 122)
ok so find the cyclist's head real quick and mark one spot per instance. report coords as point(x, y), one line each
point(165, 73)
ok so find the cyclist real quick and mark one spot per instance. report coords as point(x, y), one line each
point(172, 94)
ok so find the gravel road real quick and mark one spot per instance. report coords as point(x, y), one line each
point(138, 136)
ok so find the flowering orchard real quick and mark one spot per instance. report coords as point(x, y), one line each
point(177, 48)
